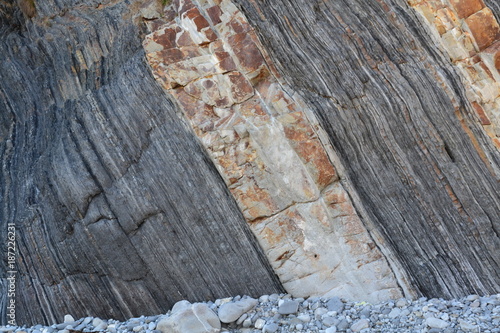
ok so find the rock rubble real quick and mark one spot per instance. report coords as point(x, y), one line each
point(282, 313)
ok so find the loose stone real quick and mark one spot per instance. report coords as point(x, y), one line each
point(230, 312)
point(335, 304)
point(436, 323)
point(288, 307)
point(259, 323)
point(360, 324)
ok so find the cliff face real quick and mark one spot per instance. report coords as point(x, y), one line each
point(152, 153)
point(119, 211)
point(268, 147)
point(397, 114)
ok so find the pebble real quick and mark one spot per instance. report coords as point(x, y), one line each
point(335, 304)
point(304, 318)
point(401, 303)
point(466, 326)
point(69, 319)
point(329, 321)
point(288, 307)
point(270, 328)
point(342, 326)
point(471, 298)
point(96, 322)
point(230, 312)
point(396, 312)
point(360, 324)
point(242, 319)
point(259, 323)
point(283, 314)
point(436, 323)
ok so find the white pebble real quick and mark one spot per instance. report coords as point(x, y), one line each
point(69, 318)
point(96, 322)
point(304, 317)
point(259, 323)
point(436, 323)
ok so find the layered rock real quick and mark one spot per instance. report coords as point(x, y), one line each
point(268, 151)
point(362, 163)
point(470, 34)
point(118, 210)
point(424, 173)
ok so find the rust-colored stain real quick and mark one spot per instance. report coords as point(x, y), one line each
point(471, 34)
point(466, 8)
point(484, 27)
point(482, 115)
point(290, 26)
point(475, 143)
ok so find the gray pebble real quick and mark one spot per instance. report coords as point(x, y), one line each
point(343, 325)
point(360, 324)
point(436, 323)
point(330, 321)
point(335, 304)
point(270, 328)
point(396, 312)
point(304, 318)
point(288, 307)
point(401, 303)
point(259, 323)
point(242, 319)
point(365, 312)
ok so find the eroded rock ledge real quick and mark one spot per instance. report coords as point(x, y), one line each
point(268, 151)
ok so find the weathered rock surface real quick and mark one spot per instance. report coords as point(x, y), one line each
point(470, 34)
point(424, 173)
point(339, 130)
point(267, 148)
point(119, 211)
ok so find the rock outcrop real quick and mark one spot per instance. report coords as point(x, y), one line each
point(268, 151)
point(470, 34)
point(424, 172)
point(118, 210)
point(153, 151)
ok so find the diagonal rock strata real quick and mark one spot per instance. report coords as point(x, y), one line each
point(469, 32)
point(268, 151)
point(395, 111)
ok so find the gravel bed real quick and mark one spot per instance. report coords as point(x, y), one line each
point(283, 313)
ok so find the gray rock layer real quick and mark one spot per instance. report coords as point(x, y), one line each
point(397, 115)
point(119, 212)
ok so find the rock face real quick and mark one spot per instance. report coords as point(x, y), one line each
point(422, 168)
point(268, 151)
point(470, 34)
point(153, 153)
point(119, 212)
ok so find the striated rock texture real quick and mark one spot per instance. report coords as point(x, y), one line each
point(470, 34)
point(268, 152)
point(119, 211)
point(424, 172)
point(142, 144)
